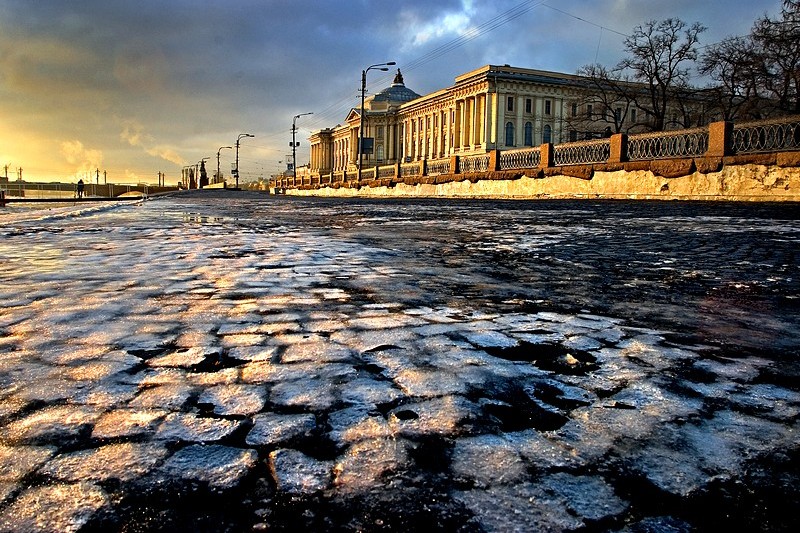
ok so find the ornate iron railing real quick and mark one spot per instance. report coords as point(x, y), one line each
point(386, 171)
point(582, 152)
point(410, 169)
point(523, 158)
point(767, 136)
point(438, 166)
point(668, 145)
point(474, 163)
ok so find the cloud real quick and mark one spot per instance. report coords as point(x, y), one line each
point(166, 153)
point(83, 159)
point(133, 133)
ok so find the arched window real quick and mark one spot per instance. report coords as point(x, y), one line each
point(379, 152)
point(509, 134)
point(528, 134)
point(547, 134)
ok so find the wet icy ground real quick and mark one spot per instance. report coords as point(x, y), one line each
point(198, 363)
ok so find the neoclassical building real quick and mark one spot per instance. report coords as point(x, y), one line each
point(490, 108)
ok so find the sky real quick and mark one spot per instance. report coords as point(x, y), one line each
point(128, 89)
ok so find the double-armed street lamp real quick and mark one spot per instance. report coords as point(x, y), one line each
point(295, 144)
point(237, 155)
point(218, 151)
point(379, 66)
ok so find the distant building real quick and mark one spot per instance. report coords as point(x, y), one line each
point(490, 108)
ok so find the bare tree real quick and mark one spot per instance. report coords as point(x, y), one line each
point(605, 104)
point(731, 64)
point(660, 55)
point(777, 53)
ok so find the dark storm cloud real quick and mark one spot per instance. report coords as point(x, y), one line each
point(142, 79)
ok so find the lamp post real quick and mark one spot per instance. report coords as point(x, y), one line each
point(218, 151)
point(361, 127)
point(237, 155)
point(295, 144)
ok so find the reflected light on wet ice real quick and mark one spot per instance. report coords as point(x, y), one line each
point(449, 366)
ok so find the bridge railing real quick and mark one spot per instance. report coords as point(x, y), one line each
point(36, 190)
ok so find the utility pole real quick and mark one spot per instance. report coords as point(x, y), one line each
point(19, 173)
point(97, 174)
point(105, 177)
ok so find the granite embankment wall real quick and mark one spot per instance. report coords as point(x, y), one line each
point(753, 161)
point(772, 177)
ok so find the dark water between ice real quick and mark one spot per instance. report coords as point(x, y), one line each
point(203, 363)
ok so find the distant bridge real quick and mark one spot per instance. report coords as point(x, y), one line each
point(27, 191)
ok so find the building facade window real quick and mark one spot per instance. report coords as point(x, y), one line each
point(589, 111)
point(548, 107)
point(509, 134)
point(510, 103)
point(379, 132)
point(633, 115)
point(528, 134)
point(547, 134)
point(573, 135)
point(529, 105)
point(574, 110)
point(379, 152)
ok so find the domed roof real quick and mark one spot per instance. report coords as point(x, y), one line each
point(397, 92)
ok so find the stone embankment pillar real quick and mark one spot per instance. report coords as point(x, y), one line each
point(618, 148)
point(720, 139)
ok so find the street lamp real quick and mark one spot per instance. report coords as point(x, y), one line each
point(295, 144)
point(237, 155)
point(218, 151)
point(379, 66)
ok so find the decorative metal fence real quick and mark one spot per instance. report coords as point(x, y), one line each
point(668, 145)
point(582, 152)
point(773, 135)
point(438, 166)
point(523, 158)
point(767, 136)
point(410, 169)
point(386, 171)
point(474, 163)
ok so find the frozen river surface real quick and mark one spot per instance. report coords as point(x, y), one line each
point(199, 363)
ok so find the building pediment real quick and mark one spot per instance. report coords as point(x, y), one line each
point(353, 116)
